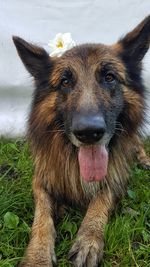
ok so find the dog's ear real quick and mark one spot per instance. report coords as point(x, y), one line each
point(136, 43)
point(35, 59)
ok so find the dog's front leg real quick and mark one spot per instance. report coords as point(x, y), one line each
point(40, 251)
point(87, 250)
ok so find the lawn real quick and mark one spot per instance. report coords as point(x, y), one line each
point(127, 235)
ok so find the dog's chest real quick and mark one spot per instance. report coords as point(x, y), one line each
point(90, 189)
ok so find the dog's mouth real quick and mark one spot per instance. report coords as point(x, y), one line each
point(90, 134)
point(93, 158)
point(93, 162)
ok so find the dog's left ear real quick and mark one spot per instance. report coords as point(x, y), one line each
point(35, 59)
point(136, 43)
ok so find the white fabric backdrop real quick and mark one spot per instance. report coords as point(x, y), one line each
point(38, 21)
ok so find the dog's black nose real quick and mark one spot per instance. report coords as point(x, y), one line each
point(88, 129)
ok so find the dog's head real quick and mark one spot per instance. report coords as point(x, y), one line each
point(90, 93)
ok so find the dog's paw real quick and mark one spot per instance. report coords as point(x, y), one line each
point(35, 264)
point(37, 261)
point(86, 252)
point(146, 166)
point(145, 163)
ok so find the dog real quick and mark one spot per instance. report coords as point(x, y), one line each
point(83, 129)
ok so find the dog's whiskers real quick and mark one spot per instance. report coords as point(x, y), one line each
point(120, 127)
point(55, 131)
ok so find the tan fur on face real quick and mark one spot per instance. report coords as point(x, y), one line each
point(135, 105)
point(45, 110)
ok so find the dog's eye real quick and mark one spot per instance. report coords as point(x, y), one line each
point(110, 77)
point(65, 82)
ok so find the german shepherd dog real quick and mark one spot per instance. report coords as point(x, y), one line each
point(83, 128)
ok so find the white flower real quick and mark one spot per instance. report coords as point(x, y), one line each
point(60, 44)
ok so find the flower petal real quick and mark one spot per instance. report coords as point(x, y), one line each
point(61, 43)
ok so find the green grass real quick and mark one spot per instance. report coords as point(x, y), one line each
point(127, 235)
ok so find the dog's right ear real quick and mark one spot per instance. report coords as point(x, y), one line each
point(35, 59)
point(136, 43)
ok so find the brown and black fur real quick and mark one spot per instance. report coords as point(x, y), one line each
point(88, 79)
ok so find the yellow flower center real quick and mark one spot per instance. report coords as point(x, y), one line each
point(60, 44)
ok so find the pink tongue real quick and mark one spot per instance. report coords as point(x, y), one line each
point(93, 162)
